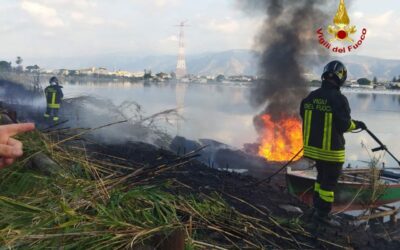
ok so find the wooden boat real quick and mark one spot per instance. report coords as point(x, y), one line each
point(357, 189)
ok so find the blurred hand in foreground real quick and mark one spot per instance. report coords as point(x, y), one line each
point(10, 148)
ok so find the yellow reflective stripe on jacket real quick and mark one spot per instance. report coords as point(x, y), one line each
point(324, 158)
point(330, 118)
point(324, 140)
point(53, 105)
point(307, 126)
point(334, 153)
point(327, 137)
point(325, 153)
point(352, 126)
point(53, 98)
point(321, 154)
point(317, 187)
point(328, 196)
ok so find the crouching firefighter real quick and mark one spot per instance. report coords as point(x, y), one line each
point(54, 96)
point(326, 117)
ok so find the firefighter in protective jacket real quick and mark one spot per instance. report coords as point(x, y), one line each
point(326, 117)
point(54, 96)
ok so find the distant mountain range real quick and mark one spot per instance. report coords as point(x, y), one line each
point(365, 66)
point(232, 62)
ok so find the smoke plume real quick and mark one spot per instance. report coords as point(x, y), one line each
point(288, 47)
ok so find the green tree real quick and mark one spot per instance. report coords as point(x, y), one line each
point(162, 75)
point(363, 81)
point(19, 61)
point(220, 78)
point(33, 68)
point(5, 66)
point(375, 80)
point(147, 74)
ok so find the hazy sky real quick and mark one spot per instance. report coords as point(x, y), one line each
point(73, 28)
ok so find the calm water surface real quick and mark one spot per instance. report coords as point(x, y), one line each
point(223, 113)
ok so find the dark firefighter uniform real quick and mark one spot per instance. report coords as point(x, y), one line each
point(326, 117)
point(54, 96)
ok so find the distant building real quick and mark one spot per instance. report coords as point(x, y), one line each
point(63, 72)
point(88, 71)
point(93, 71)
point(139, 74)
point(123, 73)
point(47, 71)
point(101, 71)
point(241, 78)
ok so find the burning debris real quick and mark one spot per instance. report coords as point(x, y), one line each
point(286, 136)
point(285, 42)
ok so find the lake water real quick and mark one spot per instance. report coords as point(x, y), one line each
point(223, 113)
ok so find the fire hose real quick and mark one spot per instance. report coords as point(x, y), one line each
point(381, 146)
point(268, 179)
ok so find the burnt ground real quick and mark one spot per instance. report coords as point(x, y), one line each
point(243, 193)
point(240, 191)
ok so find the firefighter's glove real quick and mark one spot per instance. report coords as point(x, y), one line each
point(360, 125)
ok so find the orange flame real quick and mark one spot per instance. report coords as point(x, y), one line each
point(282, 139)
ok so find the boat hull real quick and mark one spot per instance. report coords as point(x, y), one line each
point(348, 195)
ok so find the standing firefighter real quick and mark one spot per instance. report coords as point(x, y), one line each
point(54, 96)
point(326, 117)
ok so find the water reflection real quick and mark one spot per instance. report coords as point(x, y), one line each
point(380, 111)
point(180, 92)
point(222, 112)
point(364, 96)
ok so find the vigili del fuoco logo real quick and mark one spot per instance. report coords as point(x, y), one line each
point(342, 33)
